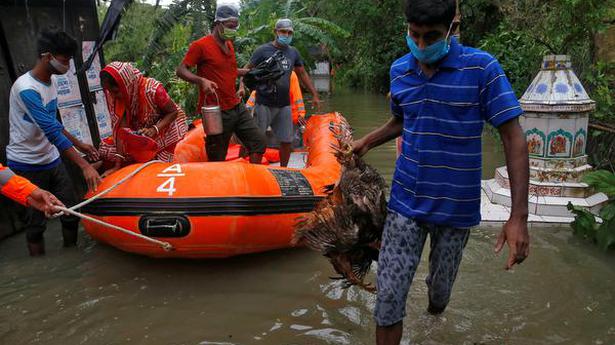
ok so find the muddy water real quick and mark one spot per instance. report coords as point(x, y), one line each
point(563, 294)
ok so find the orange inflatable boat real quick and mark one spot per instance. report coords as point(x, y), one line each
point(215, 209)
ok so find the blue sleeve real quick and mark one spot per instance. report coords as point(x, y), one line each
point(498, 101)
point(45, 119)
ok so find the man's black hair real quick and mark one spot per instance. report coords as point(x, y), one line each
point(56, 43)
point(430, 12)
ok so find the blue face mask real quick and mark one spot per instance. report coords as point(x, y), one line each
point(432, 53)
point(284, 40)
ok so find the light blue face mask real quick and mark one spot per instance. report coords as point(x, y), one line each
point(285, 40)
point(432, 53)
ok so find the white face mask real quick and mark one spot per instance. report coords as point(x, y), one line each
point(56, 65)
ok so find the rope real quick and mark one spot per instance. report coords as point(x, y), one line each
point(126, 178)
point(165, 245)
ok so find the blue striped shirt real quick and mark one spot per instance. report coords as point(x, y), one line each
point(437, 175)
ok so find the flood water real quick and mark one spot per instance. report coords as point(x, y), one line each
point(564, 293)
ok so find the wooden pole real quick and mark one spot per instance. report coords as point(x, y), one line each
point(457, 20)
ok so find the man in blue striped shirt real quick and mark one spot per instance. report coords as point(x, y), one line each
point(441, 95)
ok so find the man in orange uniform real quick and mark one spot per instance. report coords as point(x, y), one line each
point(26, 193)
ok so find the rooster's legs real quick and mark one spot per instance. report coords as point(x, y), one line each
point(342, 265)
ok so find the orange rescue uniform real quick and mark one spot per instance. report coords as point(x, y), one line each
point(15, 187)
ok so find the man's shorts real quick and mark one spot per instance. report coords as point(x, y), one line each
point(402, 245)
point(280, 120)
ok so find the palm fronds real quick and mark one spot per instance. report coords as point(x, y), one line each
point(258, 19)
point(200, 12)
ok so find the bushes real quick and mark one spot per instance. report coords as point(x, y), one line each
point(532, 28)
point(585, 225)
point(378, 38)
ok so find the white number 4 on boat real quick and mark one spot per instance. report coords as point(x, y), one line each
point(168, 186)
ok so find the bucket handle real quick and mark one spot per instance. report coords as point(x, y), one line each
point(217, 99)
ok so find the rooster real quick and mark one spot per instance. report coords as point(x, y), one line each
point(346, 226)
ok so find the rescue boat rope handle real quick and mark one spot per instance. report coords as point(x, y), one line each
point(165, 245)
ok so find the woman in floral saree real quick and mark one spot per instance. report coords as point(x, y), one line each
point(140, 106)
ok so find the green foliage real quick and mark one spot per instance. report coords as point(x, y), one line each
point(163, 67)
point(258, 19)
point(603, 181)
point(518, 32)
point(601, 149)
point(133, 33)
point(532, 28)
point(608, 211)
point(605, 236)
point(600, 81)
point(378, 38)
point(163, 25)
point(479, 19)
point(518, 53)
point(585, 224)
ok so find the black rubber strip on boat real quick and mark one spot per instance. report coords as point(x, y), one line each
point(219, 206)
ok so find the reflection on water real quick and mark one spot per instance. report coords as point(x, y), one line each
point(563, 294)
point(366, 111)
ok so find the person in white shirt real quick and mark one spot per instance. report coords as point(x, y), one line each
point(38, 140)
